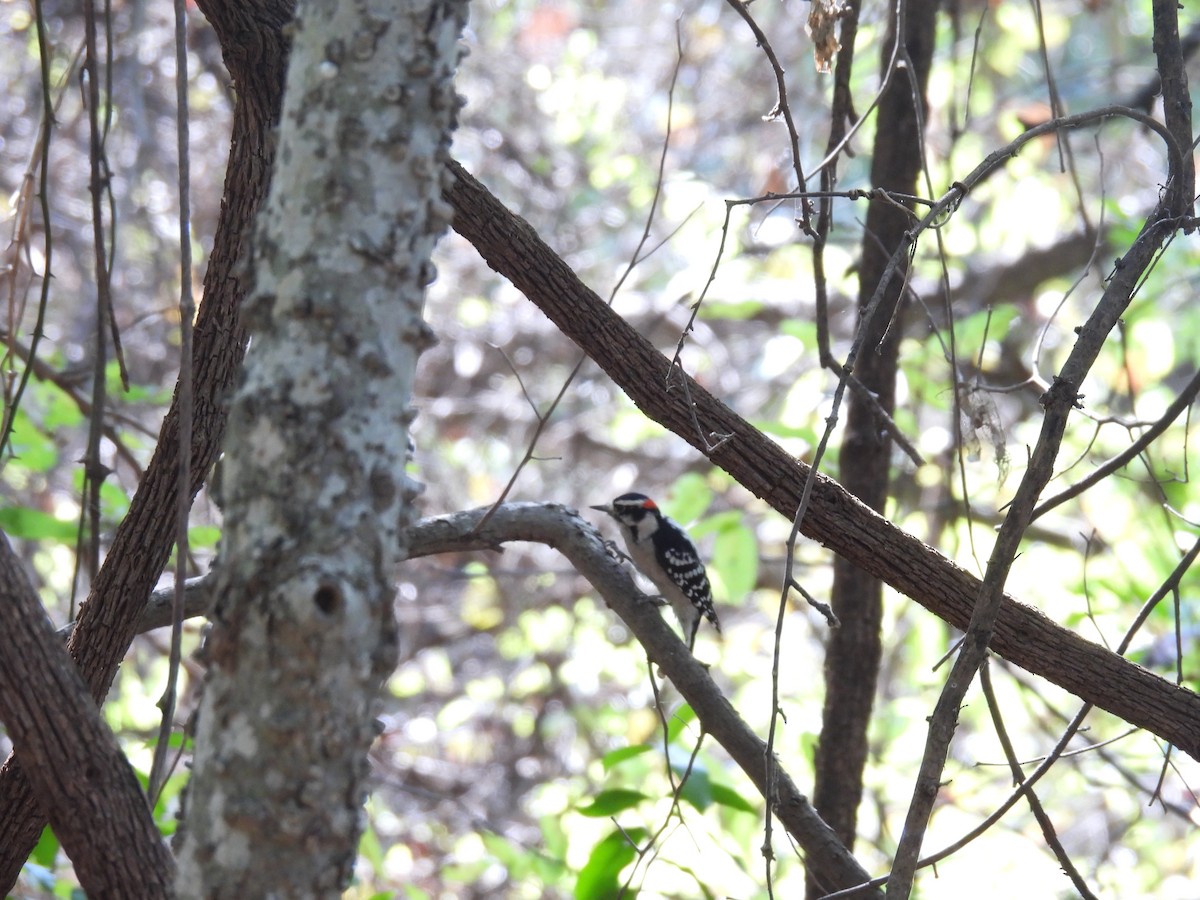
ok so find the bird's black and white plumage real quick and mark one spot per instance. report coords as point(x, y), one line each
point(663, 552)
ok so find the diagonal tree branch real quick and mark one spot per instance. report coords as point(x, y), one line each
point(834, 518)
point(84, 780)
point(828, 860)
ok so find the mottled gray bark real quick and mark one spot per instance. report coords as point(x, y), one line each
point(314, 489)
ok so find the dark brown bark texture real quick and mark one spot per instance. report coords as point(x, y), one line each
point(835, 518)
point(58, 729)
point(255, 51)
point(853, 651)
point(1177, 99)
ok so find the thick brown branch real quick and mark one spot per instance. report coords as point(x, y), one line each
point(81, 776)
point(835, 519)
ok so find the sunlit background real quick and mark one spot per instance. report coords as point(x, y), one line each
point(523, 753)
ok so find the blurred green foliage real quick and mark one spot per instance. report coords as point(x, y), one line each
point(522, 751)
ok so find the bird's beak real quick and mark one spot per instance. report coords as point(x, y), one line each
point(603, 509)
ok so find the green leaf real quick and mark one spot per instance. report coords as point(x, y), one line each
point(203, 537)
point(32, 449)
point(690, 497)
point(137, 393)
point(743, 309)
point(726, 796)
point(683, 717)
point(114, 501)
point(614, 758)
point(992, 324)
point(803, 330)
point(717, 522)
point(515, 859)
point(554, 838)
point(165, 810)
point(46, 851)
point(697, 790)
point(610, 802)
point(735, 558)
point(371, 850)
point(35, 525)
point(599, 879)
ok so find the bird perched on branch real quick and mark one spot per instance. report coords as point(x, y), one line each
point(662, 551)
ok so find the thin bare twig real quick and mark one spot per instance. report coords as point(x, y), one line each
point(1065, 154)
point(1179, 405)
point(781, 107)
point(50, 105)
point(1035, 805)
point(887, 423)
point(543, 419)
point(159, 769)
point(1058, 403)
point(94, 470)
point(652, 840)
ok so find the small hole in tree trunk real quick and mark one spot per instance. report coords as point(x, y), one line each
point(328, 598)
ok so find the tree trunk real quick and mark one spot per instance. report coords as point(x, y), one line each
point(853, 651)
point(315, 492)
point(254, 46)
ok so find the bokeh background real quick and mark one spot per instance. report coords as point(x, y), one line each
point(523, 743)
